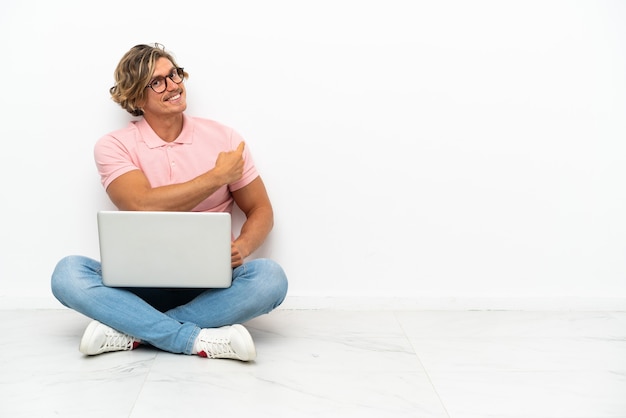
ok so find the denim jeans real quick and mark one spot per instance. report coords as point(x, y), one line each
point(169, 319)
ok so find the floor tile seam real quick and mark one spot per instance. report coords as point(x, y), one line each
point(143, 384)
point(419, 360)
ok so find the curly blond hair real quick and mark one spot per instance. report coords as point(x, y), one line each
point(134, 72)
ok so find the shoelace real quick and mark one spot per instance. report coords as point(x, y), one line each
point(117, 341)
point(217, 348)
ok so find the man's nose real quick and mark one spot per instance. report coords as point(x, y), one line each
point(169, 82)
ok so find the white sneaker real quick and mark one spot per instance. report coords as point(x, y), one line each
point(99, 338)
point(231, 342)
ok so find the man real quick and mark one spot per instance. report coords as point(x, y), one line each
point(168, 161)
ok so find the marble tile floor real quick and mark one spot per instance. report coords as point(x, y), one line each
point(325, 363)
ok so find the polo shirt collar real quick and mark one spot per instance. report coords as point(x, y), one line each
point(152, 140)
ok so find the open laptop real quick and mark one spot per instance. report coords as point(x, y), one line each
point(165, 249)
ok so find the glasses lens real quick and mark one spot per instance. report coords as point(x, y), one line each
point(158, 85)
point(177, 76)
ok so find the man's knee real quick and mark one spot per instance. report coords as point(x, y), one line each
point(65, 274)
point(275, 279)
point(61, 272)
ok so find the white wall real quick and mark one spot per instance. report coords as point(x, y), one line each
point(439, 153)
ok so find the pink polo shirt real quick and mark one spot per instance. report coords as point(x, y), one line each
point(137, 147)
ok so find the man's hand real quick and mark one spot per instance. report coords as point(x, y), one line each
point(229, 165)
point(236, 258)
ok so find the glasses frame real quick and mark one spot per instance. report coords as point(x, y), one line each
point(179, 72)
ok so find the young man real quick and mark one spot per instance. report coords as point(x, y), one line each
point(168, 161)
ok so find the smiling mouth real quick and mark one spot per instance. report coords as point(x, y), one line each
point(175, 97)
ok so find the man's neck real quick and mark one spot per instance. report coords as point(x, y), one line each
point(167, 128)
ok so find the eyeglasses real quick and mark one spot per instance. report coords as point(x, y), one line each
point(159, 84)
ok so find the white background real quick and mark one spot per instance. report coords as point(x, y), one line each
point(434, 154)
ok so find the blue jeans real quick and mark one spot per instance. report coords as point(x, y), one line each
point(169, 319)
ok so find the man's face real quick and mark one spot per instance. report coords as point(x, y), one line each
point(172, 100)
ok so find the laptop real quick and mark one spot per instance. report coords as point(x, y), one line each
point(165, 249)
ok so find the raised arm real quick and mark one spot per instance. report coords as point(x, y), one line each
point(132, 190)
